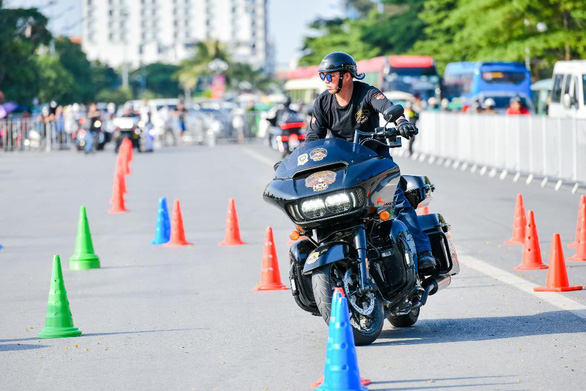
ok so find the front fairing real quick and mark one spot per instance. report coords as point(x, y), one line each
point(327, 166)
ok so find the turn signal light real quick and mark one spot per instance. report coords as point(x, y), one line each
point(384, 215)
point(294, 235)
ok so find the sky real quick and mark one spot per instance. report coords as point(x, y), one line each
point(288, 20)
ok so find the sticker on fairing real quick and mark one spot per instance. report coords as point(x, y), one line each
point(302, 159)
point(312, 258)
point(318, 154)
point(320, 180)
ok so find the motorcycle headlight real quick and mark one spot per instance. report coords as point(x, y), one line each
point(314, 208)
point(338, 203)
point(327, 205)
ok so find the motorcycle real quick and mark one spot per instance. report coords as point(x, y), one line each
point(100, 139)
point(340, 196)
point(129, 127)
point(291, 135)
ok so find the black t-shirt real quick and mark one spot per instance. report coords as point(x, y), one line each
point(362, 112)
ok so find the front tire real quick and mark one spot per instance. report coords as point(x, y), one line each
point(365, 329)
point(405, 320)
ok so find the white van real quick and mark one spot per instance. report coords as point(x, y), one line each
point(568, 96)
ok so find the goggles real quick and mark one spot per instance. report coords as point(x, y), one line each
point(325, 76)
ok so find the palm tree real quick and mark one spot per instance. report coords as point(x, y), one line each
point(192, 69)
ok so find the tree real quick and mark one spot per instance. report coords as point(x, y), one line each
point(192, 69)
point(54, 80)
point(158, 79)
point(74, 60)
point(22, 31)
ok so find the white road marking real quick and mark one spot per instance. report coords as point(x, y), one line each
point(258, 156)
point(555, 299)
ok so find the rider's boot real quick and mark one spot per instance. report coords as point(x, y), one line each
point(425, 261)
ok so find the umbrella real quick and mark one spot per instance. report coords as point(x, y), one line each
point(7, 108)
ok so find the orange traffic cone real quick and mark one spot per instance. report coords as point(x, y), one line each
point(422, 210)
point(129, 149)
point(579, 222)
point(117, 200)
point(519, 223)
point(177, 231)
point(232, 236)
point(557, 276)
point(270, 277)
point(531, 249)
point(121, 163)
point(580, 255)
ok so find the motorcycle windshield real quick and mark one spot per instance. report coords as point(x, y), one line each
point(321, 153)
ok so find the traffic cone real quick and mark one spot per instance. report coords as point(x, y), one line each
point(580, 255)
point(270, 276)
point(83, 257)
point(58, 322)
point(163, 231)
point(422, 210)
point(232, 235)
point(177, 231)
point(519, 222)
point(1, 247)
point(341, 368)
point(579, 226)
point(129, 149)
point(557, 276)
point(124, 155)
point(531, 249)
point(117, 199)
point(119, 172)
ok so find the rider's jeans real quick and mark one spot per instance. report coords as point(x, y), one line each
point(406, 214)
point(90, 139)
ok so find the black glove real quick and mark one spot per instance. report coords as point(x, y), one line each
point(406, 129)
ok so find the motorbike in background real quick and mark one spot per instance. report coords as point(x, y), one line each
point(130, 127)
point(95, 127)
point(291, 135)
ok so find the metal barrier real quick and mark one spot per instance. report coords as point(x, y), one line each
point(535, 146)
point(26, 134)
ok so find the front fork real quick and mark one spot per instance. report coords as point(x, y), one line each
point(360, 245)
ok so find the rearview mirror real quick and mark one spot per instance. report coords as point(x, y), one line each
point(567, 101)
point(395, 112)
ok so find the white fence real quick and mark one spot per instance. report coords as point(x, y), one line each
point(535, 146)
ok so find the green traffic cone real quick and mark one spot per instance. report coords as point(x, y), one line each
point(84, 256)
point(59, 323)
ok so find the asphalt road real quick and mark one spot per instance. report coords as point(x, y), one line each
point(187, 318)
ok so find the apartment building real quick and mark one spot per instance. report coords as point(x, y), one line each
point(146, 31)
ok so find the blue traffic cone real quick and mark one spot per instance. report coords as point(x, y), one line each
point(341, 370)
point(1, 247)
point(163, 232)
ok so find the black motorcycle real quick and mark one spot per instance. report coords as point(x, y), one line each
point(130, 127)
point(340, 196)
point(96, 131)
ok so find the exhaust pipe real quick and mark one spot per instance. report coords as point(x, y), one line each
point(433, 285)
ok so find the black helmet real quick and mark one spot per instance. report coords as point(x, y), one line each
point(340, 62)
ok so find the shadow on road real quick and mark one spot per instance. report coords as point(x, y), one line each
point(481, 329)
point(11, 347)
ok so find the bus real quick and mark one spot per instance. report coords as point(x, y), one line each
point(469, 80)
point(416, 75)
point(413, 75)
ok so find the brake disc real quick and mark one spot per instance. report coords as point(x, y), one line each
point(358, 302)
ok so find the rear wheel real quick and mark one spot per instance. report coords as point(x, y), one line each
point(366, 311)
point(405, 320)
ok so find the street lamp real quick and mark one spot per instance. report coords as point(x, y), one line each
point(541, 27)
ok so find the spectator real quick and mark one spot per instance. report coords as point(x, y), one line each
point(489, 105)
point(516, 107)
point(180, 113)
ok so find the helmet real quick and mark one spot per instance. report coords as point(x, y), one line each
point(340, 62)
point(515, 99)
point(489, 102)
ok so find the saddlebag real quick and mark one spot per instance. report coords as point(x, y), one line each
point(438, 231)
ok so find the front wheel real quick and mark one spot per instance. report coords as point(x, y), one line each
point(366, 327)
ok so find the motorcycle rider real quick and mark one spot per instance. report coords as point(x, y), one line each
point(347, 105)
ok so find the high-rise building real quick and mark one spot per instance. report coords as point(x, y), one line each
point(146, 31)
